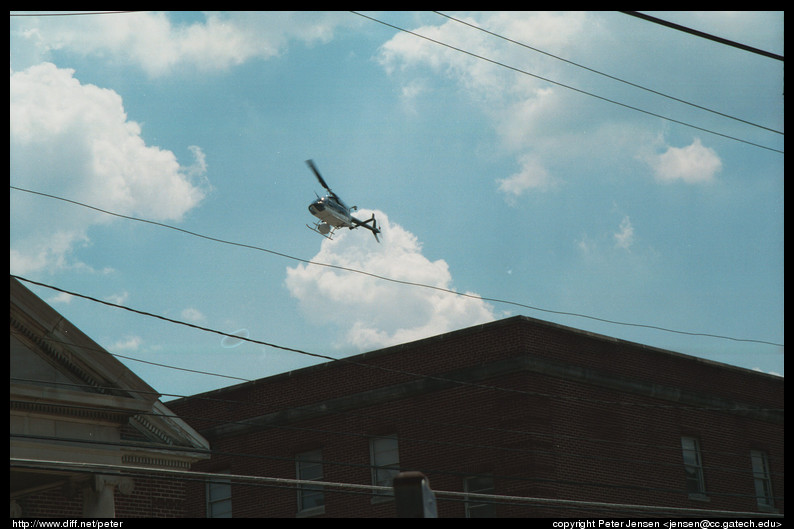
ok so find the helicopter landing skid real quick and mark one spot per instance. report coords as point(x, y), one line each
point(326, 235)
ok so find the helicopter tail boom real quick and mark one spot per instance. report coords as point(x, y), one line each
point(365, 224)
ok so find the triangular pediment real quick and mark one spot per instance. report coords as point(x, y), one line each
point(73, 401)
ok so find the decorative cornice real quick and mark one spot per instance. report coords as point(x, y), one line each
point(145, 426)
point(150, 461)
point(45, 408)
point(62, 358)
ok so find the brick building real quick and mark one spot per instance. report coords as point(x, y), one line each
point(517, 408)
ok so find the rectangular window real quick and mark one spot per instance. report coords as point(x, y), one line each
point(693, 466)
point(219, 499)
point(476, 508)
point(309, 467)
point(762, 479)
point(384, 461)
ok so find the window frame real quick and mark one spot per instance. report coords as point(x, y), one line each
point(309, 461)
point(762, 478)
point(213, 499)
point(384, 471)
point(693, 467)
point(474, 506)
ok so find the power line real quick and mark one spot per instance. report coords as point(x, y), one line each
point(439, 426)
point(177, 322)
point(348, 361)
point(633, 13)
point(584, 454)
point(704, 35)
point(434, 471)
point(569, 87)
point(430, 471)
point(446, 426)
point(36, 464)
point(635, 85)
point(392, 280)
point(80, 13)
point(456, 444)
point(410, 440)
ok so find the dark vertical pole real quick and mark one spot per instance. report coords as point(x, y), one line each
point(413, 497)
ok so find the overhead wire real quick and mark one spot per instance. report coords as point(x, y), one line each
point(71, 14)
point(566, 313)
point(191, 325)
point(392, 280)
point(586, 456)
point(566, 86)
point(450, 444)
point(583, 457)
point(250, 421)
point(34, 464)
point(589, 401)
point(405, 439)
point(412, 440)
point(704, 35)
point(633, 13)
point(314, 483)
point(53, 340)
point(464, 383)
point(614, 78)
point(432, 472)
point(347, 361)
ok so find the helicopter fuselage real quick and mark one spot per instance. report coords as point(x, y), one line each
point(334, 214)
point(331, 211)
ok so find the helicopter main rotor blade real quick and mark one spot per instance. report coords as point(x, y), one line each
point(316, 172)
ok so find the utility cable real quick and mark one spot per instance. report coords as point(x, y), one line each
point(528, 449)
point(614, 78)
point(429, 471)
point(392, 280)
point(569, 87)
point(81, 13)
point(35, 464)
point(438, 426)
point(347, 361)
point(180, 368)
point(704, 35)
point(477, 417)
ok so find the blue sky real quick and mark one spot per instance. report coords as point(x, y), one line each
point(486, 180)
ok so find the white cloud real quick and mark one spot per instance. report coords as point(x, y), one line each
point(624, 237)
point(130, 343)
point(586, 246)
point(192, 315)
point(61, 297)
point(693, 164)
point(532, 176)
point(534, 120)
point(75, 141)
point(371, 312)
point(158, 45)
point(118, 299)
point(775, 373)
point(597, 248)
point(551, 32)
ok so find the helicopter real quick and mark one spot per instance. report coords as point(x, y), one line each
point(334, 214)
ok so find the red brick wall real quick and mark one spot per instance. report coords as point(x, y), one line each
point(554, 438)
point(151, 498)
point(549, 437)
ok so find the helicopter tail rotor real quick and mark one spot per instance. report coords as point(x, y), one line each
point(366, 224)
point(375, 230)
